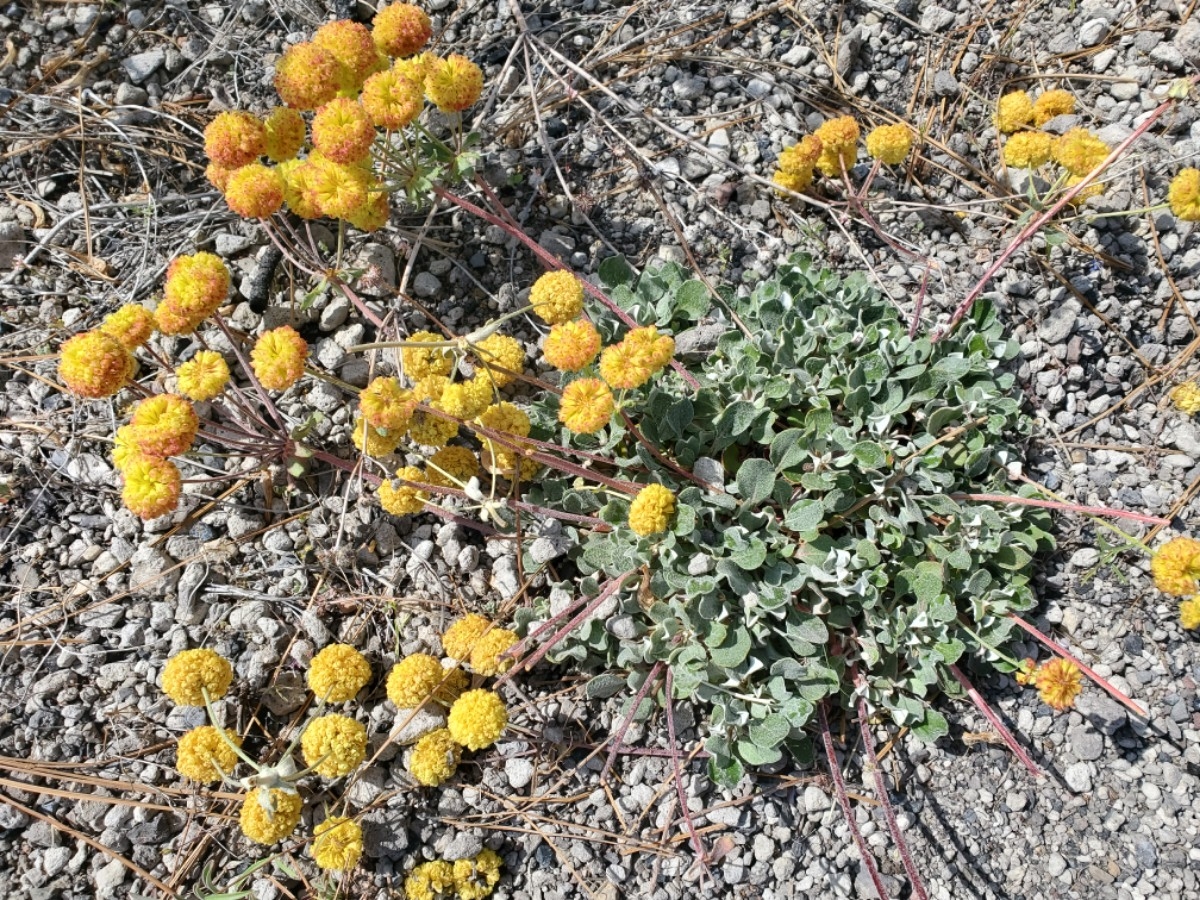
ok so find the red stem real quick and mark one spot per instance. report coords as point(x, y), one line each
point(994, 720)
point(676, 769)
point(651, 677)
point(1068, 507)
point(1116, 694)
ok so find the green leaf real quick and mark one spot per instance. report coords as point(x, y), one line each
point(755, 480)
point(805, 515)
point(769, 732)
point(797, 711)
point(614, 271)
point(927, 581)
point(725, 772)
point(734, 651)
point(691, 299)
point(754, 755)
point(869, 454)
point(932, 727)
point(604, 686)
point(738, 417)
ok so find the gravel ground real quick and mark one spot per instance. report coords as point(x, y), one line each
point(93, 601)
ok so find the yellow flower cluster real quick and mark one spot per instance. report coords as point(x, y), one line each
point(797, 164)
point(433, 880)
point(203, 376)
point(338, 673)
point(467, 399)
point(451, 467)
point(586, 406)
point(1058, 682)
point(132, 325)
point(426, 426)
point(462, 636)
point(1014, 110)
point(651, 510)
point(889, 143)
point(269, 816)
point(420, 362)
point(192, 674)
point(1028, 149)
point(352, 45)
point(419, 677)
point(278, 357)
point(401, 499)
point(152, 486)
point(504, 456)
point(163, 425)
point(337, 844)
point(285, 133)
point(1186, 397)
point(1184, 195)
point(1079, 151)
point(636, 359)
point(372, 441)
point(1052, 103)
point(839, 146)
point(202, 755)
point(477, 719)
point(501, 356)
point(195, 288)
point(435, 758)
point(95, 364)
point(466, 879)
point(1175, 567)
point(571, 346)
point(488, 655)
point(334, 745)
point(385, 404)
point(557, 297)
point(254, 191)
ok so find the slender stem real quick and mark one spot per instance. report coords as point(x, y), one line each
point(994, 720)
point(1127, 538)
point(249, 370)
point(1068, 507)
point(651, 677)
point(677, 774)
point(232, 745)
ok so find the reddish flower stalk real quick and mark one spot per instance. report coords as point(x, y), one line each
point(839, 787)
point(1103, 683)
point(994, 720)
point(651, 677)
point(677, 772)
point(1067, 507)
point(881, 790)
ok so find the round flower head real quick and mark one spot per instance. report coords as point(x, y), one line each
point(164, 425)
point(433, 880)
point(435, 758)
point(401, 29)
point(203, 376)
point(278, 357)
point(889, 143)
point(790, 182)
point(467, 399)
point(1186, 397)
point(476, 878)
point(338, 191)
point(352, 46)
point(285, 134)
point(1079, 151)
point(624, 366)
point(402, 499)
point(375, 214)
point(654, 350)
point(1189, 613)
point(1014, 110)
point(557, 297)
point(338, 673)
point(297, 192)
point(125, 449)
point(218, 176)
point(342, 131)
point(334, 745)
point(337, 844)
point(384, 404)
point(651, 510)
point(839, 145)
point(191, 674)
point(502, 356)
point(415, 68)
point(414, 680)
point(586, 405)
point(203, 756)
point(132, 325)
point(453, 83)
point(1028, 150)
point(1059, 682)
point(391, 100)
point(255, 191)
point(477, 719)
point(801, 157)
point(422, 361)
point(152, 486)
point(507, 418)
point(501, 457)
point(451, 467)
point(487, 657)
point(270, 816)
point(1184, 195)
point(94, 364)
point(306, 76)
point(195, 288)
point(571, 346)
point(372, 441)
point(1175, 567)
point(462, 635)
point(427, 427)
point(235, 139)
point(1051, 104)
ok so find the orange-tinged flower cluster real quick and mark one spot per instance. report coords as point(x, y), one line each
point(132, 325)
point(351, 45)
point(453, 83)
point(343, 131)
point(152, 486)
point(1058, 682)
point(196, 287)
point(401, 29)
point(336, 190)
point(586, 405)
point(651, 510)
point(839, 146)
point(1013, 111)
point(307, 76)
point(285, 132)
point(1175, 567)
point(164, 425)
point(235, 139)
point(889, 143)
point(557, 297)
point(278, 357)
point(571, 346)
point(203, 376)
point(392, 100)
point(1184, 195)
point(386, 405)
point(95, 364)
point(636, 359)
point(254, 191)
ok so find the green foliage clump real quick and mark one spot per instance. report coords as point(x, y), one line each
point(821, 529)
